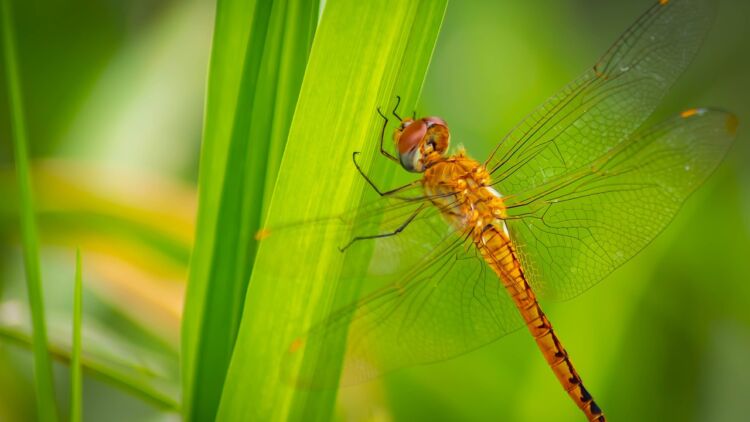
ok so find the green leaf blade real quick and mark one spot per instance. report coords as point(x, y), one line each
point(388, 46)
point(46, 406)
point(253, 86)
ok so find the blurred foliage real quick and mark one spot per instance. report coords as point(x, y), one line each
point(114, 97)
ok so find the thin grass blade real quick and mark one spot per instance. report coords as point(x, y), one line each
point(46, 406)
point(75, 358)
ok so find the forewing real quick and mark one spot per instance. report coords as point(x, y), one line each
point(391, 255)
point(448, 303)
point(574, 230)
point(607, 103)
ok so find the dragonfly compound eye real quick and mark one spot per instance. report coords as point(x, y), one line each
point(409, 138)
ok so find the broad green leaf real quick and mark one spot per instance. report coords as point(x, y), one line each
point(46, 406)
point(259, 54)
point(364, 54)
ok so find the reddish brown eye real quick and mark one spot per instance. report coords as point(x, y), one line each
point(411, 136)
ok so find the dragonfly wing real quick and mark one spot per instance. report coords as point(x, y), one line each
point(392, 255)
point(574, 230)
point(448, 303)
point(608, 102)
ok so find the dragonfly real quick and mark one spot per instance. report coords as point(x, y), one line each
point(571, 193)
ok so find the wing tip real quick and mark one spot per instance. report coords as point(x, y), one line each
point(731, 121)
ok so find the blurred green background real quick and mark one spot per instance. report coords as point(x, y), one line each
point(114, 100)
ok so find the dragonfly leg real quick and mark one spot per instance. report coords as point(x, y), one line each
point(385, 153)
point(398, 230)
point(370, 182)
point(398, 101)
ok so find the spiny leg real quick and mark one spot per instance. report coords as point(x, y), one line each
point(398, 101)
point(398, 230)
point(385, 124)
point(385, 153)
point(370, 182)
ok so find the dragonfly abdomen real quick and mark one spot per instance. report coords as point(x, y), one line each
point(497, 250)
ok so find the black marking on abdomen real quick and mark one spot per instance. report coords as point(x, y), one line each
point(585, 396)
point(595, 410)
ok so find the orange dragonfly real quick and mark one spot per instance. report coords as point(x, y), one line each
point(569, 195)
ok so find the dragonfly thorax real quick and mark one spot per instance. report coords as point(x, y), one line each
point(462, 189)
point(421, 142)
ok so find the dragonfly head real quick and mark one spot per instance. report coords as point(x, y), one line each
point(421, 141)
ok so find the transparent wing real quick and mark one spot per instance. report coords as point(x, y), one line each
point(574, 230)
point(410, 212)
point(607, 103)
point(441, 300)
point(445, 303)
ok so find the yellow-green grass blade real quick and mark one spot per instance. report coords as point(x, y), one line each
point(259, 55)
point(75, 359)
point(47, 409)
point(364, 54)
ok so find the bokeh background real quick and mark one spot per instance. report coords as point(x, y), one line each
point(114, 96)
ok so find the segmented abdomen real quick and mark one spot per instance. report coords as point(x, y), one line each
point(498, 251)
